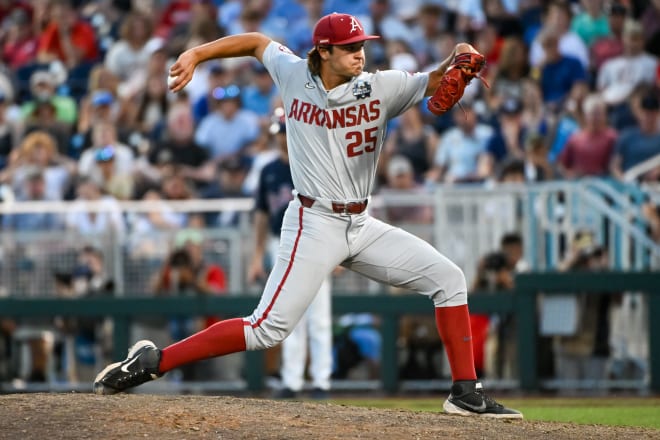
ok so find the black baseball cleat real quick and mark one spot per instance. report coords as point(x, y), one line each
point(140, 366)
point(467, 398)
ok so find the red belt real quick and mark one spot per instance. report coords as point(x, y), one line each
point(339, 208)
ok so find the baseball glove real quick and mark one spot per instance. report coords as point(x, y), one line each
point(461, 71)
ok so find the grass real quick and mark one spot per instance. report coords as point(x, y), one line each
point(614, 411)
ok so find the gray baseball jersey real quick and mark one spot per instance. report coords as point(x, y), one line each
point(335, 137)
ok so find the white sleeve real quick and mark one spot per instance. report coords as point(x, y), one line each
point(400, 90)
point(280, 62)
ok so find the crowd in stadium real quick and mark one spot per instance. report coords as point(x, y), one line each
point(85, 111)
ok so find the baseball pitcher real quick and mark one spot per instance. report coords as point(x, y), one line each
point(336, 117)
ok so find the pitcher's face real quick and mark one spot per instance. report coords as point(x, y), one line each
point(347, 60)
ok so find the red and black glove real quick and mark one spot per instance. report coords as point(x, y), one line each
point(461, 71)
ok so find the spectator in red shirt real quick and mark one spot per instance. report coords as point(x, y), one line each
point(611, 46)
point(20, 43)
point(67, 37)
point(589, 150)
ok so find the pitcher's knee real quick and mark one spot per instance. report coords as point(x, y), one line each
point(265, 336)
point(452, 287)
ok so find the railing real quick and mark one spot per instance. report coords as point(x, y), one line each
point(522, 303)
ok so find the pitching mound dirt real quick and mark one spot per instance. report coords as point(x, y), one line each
point(87, 416)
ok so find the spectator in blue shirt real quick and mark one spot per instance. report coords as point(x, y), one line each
point(559, 72)
point(259, 94)
point(228, 129)
point(33, 189)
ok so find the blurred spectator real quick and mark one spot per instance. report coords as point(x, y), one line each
point(100, 110)
point(637, 144)
point(10, 131)
point(43, 118)
point(493, 274)
point(145, 240)
point(151, 105)
point(38, 150)
point(229, 129)
point(43, 88)
point(650, 20)
point(567, 119)
point(506, 76)
point(558, 72)
point(588, 151)
point(534, 114)
point(591, 23)
point(462, 148)
point(178, 147)
point(259, 94)
point(611, 45)
point(132, 51)
point(83, 337)
point(67, 37)
point(106, 155)
point(176, 187)
point(217, 76)
point(231, 177)
point(619, 76)
point(299, 36)
point(557, 21)
point(414, 140)
point(538, 167)
point(356, 347)
point(186, 273)
point(511, 245)
point(19, 46)
point(581, 352)
point(33, 188)
point(509, 137)
point(380, 21)
point(82, 219)
point(401, 180)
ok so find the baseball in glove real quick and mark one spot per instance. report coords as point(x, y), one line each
point(464, 67)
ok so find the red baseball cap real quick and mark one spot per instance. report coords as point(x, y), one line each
point(338, 29)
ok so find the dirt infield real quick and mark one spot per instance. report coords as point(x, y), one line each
point(86, 416)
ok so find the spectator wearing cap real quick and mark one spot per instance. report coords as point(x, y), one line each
point(591, 23)
point(100, 108)
point(217, 76)
point(557, 20)
point(43, 87)
point(619, 76)
point(20, 44)
point(588, 151)
point(106, 148)
point(611, 45)
point(463, 148)
point(67, 37)
point(400, 179)
point(259, 94)
point(229, 129)
point(638, 144)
